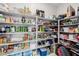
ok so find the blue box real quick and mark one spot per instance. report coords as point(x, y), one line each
point(43, 52)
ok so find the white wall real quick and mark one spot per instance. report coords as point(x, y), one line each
point(48, 8)
point(63, 8)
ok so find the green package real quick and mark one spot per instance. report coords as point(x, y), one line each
point(20, 29)
point(17, 29)
point(22, 45)
point(24, 29)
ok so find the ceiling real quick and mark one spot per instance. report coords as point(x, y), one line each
point(55, 4)
point(51, 4)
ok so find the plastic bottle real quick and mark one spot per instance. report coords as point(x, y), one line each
point(23, 20)
point(48, 51)
point(3, 29)
point(7, 29)
point(12, 29)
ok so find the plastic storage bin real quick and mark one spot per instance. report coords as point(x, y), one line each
point(27, 53)
point(16, 54)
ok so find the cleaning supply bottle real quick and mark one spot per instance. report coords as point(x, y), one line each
point(12, 28)
point(7, 28)
point(48, 51)
point(3, 29)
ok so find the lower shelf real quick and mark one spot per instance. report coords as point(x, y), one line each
point(14, 52)
point(73, 40)
point(75, 52)
point(52, 54)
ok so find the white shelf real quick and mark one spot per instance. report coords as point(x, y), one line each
point(17, 15)
point(14, 52)
point(17, 42)
point(72, 40)
point(71, 17)
point(18, 51)
point(41, 18)
point(46, 32)
point(69, 25)
point(16, 33)
point(52, 54)
point(48, 25)
point(40, 39)
point(12, 43)
point(68, 32)
point(18, 24)
point(44, 45)
point(43, 32)
point(74, 52)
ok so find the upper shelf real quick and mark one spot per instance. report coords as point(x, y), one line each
point(70, 25)
point(62, 32)
point(17, 15)
point(26, 16)
point(71, 17)
point(17, 24)
point(41, 18)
